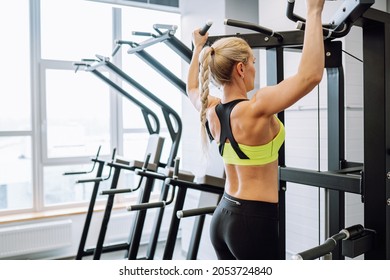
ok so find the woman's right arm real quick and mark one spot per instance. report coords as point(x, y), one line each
point(193, 78)
point(273, 99)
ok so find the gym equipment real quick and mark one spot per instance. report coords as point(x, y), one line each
point(153, 126)
point(166, 36)
point(370, 179)
point(162, 203)
point(97, 180)
point(174, 130)
point(355, 241)
point(171, 118)
point(153, 154)
point(118, 166)
point(207, 184)
point(151, 120)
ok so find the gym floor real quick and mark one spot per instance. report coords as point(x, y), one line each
point(178, 253)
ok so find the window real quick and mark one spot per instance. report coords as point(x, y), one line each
point(79, 110)
point(15, 173)
point(75, 107)
point(148, 77)
point(15, 107)
point(75, 29)
point(77, 114)
point(53, 120)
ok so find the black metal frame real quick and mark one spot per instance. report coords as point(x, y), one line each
point(376, 56)
point(170, 40)
point(169, 114)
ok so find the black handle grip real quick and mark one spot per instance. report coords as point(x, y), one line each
point(144, 206)
point(141, 33)
point(146, 162)
point(75, 173)
point(318, 251)
point(116, 49)
point(176, 169)
point(290, 12)
point(353, 231)
point(92, 180)
point(115, 191)
point(195, 212)
point(254, 27)
point(205, 28)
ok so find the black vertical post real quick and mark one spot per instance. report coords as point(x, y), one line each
point(88, 218)
point(152, 246)
point(106, 216)
point(196, 237)
point(336, 199)
point(376, 135)
point(136, 234)
point(275, 74)
point(386, 60)
point(175, 222)
point(336, 137)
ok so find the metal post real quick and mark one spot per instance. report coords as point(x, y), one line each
point(275, 74)
point(135, 237)
point(175, 222)
point(195, 238)
point(376, 135)
point(336, 138)
point(106, 217)
point(88, 218)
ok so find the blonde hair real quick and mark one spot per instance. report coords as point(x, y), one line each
point(216, 66)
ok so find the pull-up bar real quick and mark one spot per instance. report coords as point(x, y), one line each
point(340, 25)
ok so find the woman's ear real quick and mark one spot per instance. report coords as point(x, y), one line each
point(240, 69)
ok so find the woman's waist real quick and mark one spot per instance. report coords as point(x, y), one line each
point(257, 190)
point(260, 184)
point(249, 207)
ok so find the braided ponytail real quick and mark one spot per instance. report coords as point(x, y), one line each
point(204, 78)
point(216, 66)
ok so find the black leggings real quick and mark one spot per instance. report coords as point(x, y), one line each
point(245, 229)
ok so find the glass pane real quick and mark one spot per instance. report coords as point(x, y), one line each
point(136, 19)
point(75, 29)
point(304, 220)
point(15, 173)
point(172, 3)
point(77, 107)
point(134, 145)
point(15, 100)
point(61, 189)
point(132, 114)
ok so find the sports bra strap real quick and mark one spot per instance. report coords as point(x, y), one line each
point(208, 131)
point(223, 112)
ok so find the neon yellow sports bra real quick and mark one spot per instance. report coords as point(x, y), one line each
point(239, 154)
point(257, 155)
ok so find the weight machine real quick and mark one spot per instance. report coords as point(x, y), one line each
point(174, 125)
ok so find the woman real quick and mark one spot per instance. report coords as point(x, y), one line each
point(245, 223)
